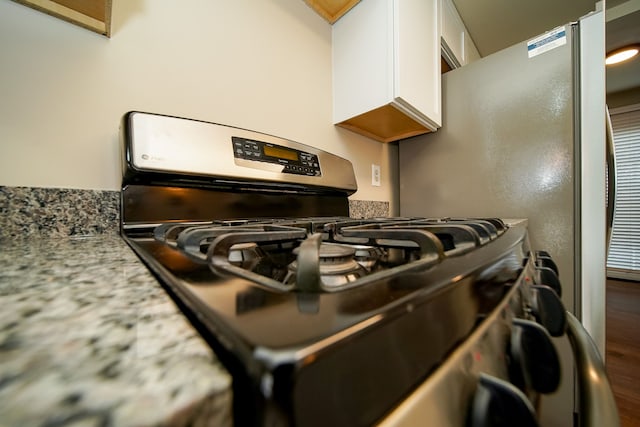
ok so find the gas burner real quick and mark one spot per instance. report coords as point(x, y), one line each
point(245, 253)
point(316, 266)
point(367, 256)
point(335, 263)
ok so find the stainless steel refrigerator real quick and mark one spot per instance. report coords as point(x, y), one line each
point(524, 136)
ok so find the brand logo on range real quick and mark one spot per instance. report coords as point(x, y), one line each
point(153, 158)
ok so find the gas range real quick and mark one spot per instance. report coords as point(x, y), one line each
point(324, 319)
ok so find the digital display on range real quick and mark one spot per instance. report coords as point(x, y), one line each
point(280, 153)
point(289, 160)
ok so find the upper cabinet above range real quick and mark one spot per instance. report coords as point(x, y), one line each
point(458, 48)
point(386, 68)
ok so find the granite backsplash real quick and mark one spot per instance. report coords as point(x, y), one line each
point(63, 212)
point(58, 212)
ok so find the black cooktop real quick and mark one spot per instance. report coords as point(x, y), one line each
point(295, 350)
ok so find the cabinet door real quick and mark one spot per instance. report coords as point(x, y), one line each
point(453, 33)
point(470, 51)
point(362, 59)
point(417, 59)
point(386, 69)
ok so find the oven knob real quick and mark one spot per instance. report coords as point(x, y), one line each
point(549, 310)
point(543, 259)
point(534, 362)
point(547, 262)
point(497, 403)
point(548, 277)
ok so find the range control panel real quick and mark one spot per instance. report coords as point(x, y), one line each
point(293, 161)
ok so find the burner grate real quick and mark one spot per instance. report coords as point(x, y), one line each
point(299, 255)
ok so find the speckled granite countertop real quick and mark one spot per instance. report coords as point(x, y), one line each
point(89, 338)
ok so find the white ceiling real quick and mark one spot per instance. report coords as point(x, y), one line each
point(496, 24)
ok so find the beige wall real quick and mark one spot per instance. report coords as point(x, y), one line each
point(263, 65)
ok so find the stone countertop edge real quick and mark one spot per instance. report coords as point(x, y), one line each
point(87, 334)
point(89, 337)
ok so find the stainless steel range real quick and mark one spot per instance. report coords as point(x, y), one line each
point(324, 319)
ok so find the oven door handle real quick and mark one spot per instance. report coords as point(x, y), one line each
point(597, 404)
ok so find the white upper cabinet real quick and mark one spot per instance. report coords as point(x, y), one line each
point(386, 69)
point(458, 48)
point(453, 33)
point(470, 51)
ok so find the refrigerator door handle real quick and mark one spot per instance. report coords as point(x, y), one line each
point(597, 404)
point(611, 179)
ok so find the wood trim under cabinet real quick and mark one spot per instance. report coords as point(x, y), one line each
point(444, 66)
point(331, 10)
point(384, 124)
point(94, 15)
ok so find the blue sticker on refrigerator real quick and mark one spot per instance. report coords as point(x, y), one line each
point(547, 41)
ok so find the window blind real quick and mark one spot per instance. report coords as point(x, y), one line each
point(623, 260)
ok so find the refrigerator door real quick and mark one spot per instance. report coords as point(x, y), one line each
point(590, 281)
point(506, 149)
point(611, 180)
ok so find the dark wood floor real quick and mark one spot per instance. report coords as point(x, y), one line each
point(622, 357)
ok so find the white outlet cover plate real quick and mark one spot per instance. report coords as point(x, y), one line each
point(375, 175)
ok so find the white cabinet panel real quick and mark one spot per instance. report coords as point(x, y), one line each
point(453, 32)
point(470, 51)
point(457, 46)
point(386, 68)
point(362, 59)
point(417, 77)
